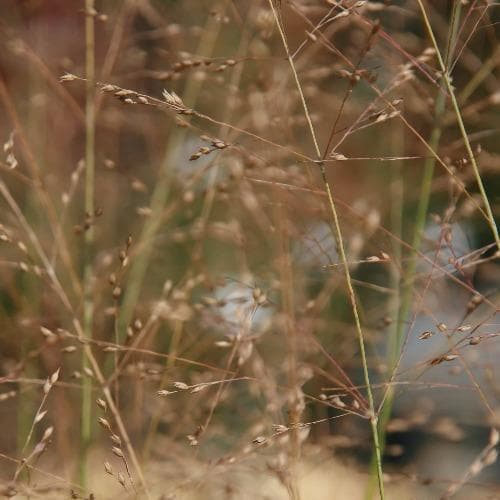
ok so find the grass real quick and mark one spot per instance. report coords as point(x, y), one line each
point(258, 250)
point(88, 305)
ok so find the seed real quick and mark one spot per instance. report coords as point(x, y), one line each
point(68, 77)
point(278, 428)
point(121, 478)
point(117, 451)
point(116, 439)
point(180, 385)
point(101, 404)
point(425, 335)
point(164, 392)
point(104, 423)
point(259, 440)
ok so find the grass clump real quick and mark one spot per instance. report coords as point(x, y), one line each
point(248, 247)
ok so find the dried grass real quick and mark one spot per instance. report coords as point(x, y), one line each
point(248, 247)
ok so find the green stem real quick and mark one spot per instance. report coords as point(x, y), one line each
point(88, 306)
point(406, 288)
point(343, 257)
point(160, 195)
point(488, 66)
point(463, 131)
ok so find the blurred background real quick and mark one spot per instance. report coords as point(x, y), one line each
point(179, 264)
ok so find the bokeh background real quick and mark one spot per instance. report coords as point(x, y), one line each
point(219, 316)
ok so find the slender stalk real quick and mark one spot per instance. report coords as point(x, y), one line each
point(463, 131)
point(204, 216)
point(343, 257)
point(406, 288)
point(161, 192)
point(88, 306)
point(359, 331)
point(61, 294)
point(38, 182)
point(488, 66)
point(30, 285)
point(287, 294)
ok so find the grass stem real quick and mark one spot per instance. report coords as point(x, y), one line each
point(451, 92)
point(407, 285)
point(343, 257)
point(88, 306)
